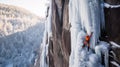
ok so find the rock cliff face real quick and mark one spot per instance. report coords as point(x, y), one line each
point(59, 46)
point(112, 25)
point(112, 17)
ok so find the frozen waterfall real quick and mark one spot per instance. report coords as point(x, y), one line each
point(86, 16)
point(47, 34)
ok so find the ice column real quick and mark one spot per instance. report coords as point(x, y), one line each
point(44, 60)
point(103, 50)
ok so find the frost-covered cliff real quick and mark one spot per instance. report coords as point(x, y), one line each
point(71, 21)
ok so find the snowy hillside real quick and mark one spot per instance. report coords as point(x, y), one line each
point(21, 34)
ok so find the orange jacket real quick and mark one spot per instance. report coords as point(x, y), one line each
point(87, 39)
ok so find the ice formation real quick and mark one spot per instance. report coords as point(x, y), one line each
point(47, 34)
point(87, 16)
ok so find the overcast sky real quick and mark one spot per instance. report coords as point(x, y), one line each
point(36, 6)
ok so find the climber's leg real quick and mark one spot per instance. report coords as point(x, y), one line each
point(88, 47)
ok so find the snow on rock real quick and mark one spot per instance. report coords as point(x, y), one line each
point(114, 63)
point(114, 45)
point(111, 6)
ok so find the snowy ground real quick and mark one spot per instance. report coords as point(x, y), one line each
point(20, 47)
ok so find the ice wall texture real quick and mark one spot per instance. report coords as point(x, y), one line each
point(85, 16)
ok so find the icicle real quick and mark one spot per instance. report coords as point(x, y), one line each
point(98, 52)
point(70, 11)
point(85, 16)
point(75, 21)
point(47, 34)
point(93, 60)
point(103, 49)
point(106, 59)
point(102, 15)
point(94, 6)
point(48, 24)
point(43, 52)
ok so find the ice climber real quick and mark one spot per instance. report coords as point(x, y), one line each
point(86, 42)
